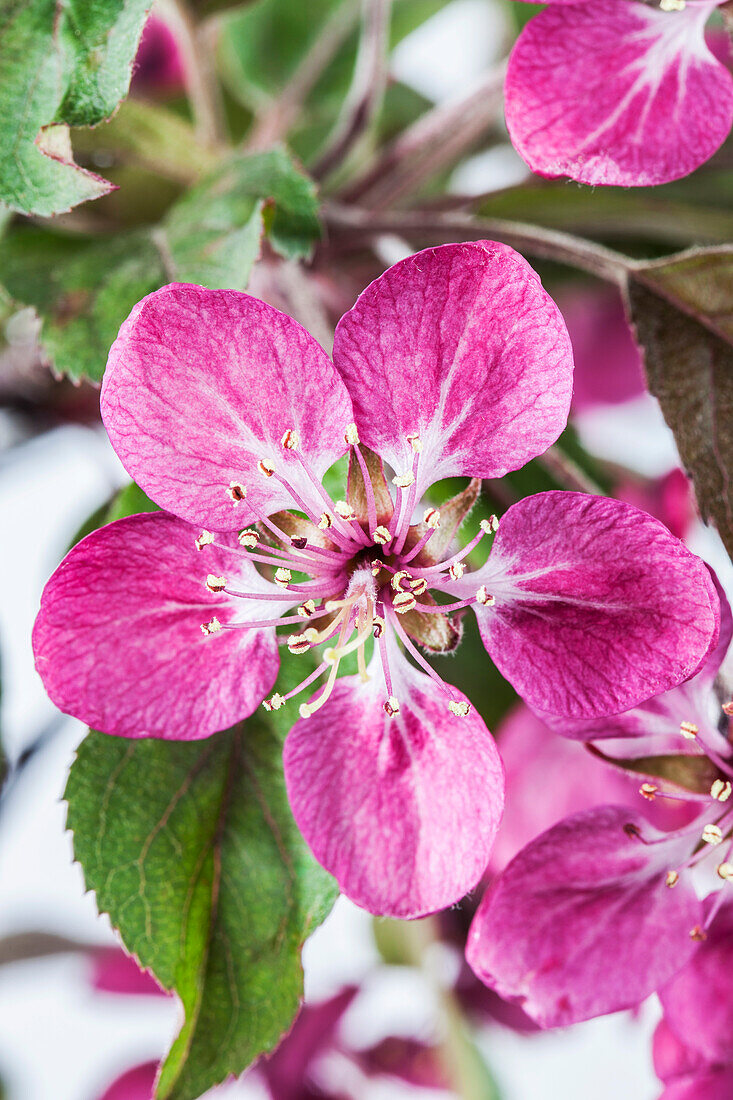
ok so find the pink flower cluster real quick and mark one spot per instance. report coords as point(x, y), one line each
point(618, 91)
point(454, 363)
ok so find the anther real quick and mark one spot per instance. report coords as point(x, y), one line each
point(392, 706)
point(698, 934)
point(265, 467)
point(431, 518)
point(721, 790)
point(236, 491)
point(413, 438)
point(376, 567)
point(403, 602)
point(404, 481)
point(419, 586)
point(211, 627)
point(330, 655)
point(457, 570)
point(672, 879)
point(379, 625)
point(648, 791)
point(298, 643)
point(351, 435)
point(283, 577)
point(215, 584)
point(672, 5)
point(632, 830)
point(484, 596)
point(248, 539)
point(325, 522)
point(304, 710)
point(307, 609)
point(728, 709)
point(712, 834)
point(344, 510)
point(725, 871)
point(381, 536)
point(274, 702)
point(299, 542)
point(688, 730)
point(490, 525)
point(400, 576)
point(204, 539)
point(291, 440)
point(460, 709)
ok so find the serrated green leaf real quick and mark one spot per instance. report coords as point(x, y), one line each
point(192, 851)
point(60, 64)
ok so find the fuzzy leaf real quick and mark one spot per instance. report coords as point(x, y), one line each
point(192, 850)
point(61, 64)
point(682, 311)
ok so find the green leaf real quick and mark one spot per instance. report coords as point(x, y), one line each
point(682, 311)
point(192, 851)
point(60, 65)
point(83, 289)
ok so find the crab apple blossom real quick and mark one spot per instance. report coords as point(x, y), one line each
point(600, 910)
point(618, 91)
point(455, 362)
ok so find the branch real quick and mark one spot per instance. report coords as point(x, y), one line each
point(201, 84)
point(547, 244)
point(367, 88)
point(436, 139)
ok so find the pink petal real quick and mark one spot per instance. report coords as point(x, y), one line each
point(137, 1084)
point(581, 923)
point(118, 639)
point(697, 1002)
point(608, 368)
point(402, 811)
point(202, 384)
point(114, 971)
point(712, 1085)
point(672, 1058)
point(613, 92)
point(462, 344)
point(597, 606)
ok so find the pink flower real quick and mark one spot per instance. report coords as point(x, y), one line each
point(455, 362)
point(608, 367)
point(158, 68)
point(599, 911)
point(618, 91)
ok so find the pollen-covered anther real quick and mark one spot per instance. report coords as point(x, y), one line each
point(413, 438)
point(215, 584)
point(721, 790)
point(274, 702)
point(392, 706)
point(725, 871)
point(307, 609)
point(648, 791)
point(484, 596)
point(204, 539)
point(457, 570)
point(419, 586)
point(489, 526)
point(403, 602)
point(459, 707)
point(728, 709)
point(712, 834)
point(404, 481)
point(351, 435)
point(399, 578)
point(381, 536)
point(265, 467)
point(672, 5)
point(283, 576)
point(688, 730)
point(324, 522)
point(344, 510)
point(236, 491)
point(298, 643)
point(248, 539)
point(698, 934)
point(378, 626)
point(672, 878)
point(212, 627)
point(431, 518)
point(291, 440)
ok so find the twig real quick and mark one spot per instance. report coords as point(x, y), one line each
point(367, 87)
point(279, 116)
point(548, 244)
point(201, 84)
point(436, 139)
point(568, 473)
